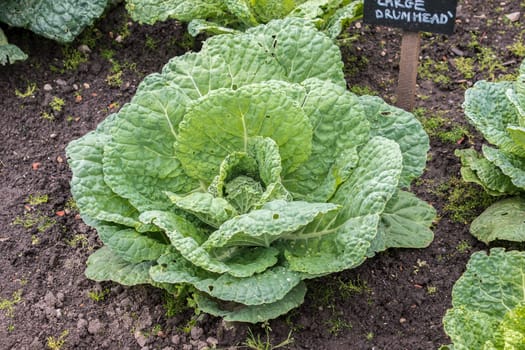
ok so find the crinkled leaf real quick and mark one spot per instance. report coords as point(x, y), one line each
point(405, 223)
point(209, 209)
point(401, 126)
point(503, 220)
point(241, 10)
point(339, 127)
point(491, 286)
point(198, 26)
point(9, 53)
point(131, 245)
point(517, 133)
point(104, 265)
point(92, 195)
point(342, 17)
point(490, 111)
point(511, 165)
point(373, 182)
point(266, 287)
point(341, 241)
point(188, 239)
point(139, 162)
point(303, 51)
point(224, 121)
point(475, 168)
point(253, 314)
point(511, 332)
point(58, 20)
point(151, 11)
point(263, 226)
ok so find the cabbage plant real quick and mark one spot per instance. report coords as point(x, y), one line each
point(497, 110)
point(218, 16)
point(59, 20)
point(488, 302)
point(246, 168)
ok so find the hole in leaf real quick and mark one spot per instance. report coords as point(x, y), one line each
point(275, 216)
point(267, 117)
point(234, 87)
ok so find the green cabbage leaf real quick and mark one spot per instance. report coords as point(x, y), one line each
point(219, 17)
point(246, 168)
point(497, 110)
point(488, 302)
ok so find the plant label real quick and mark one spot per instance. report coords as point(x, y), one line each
point(436, 16)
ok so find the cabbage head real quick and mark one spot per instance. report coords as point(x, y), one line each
point(497, 110)
point(246, 168)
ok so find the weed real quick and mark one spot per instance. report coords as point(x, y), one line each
point(337, 324)
point(30, 220)
point(150, 43)
point(8, 305)
point(72, 58)
point(463, 246)
point(370, 336)
point(348, 288)
point(431, 290)
point(30, 91)
point(48, 116)
point(465, 66)
point(35, 240)
point(363, 90)
point(56, 344)
point(98, 295)
point(78, 240)
point(57, 104)
point(37, 199)
point(438, 126)
point(437, 71)
point(256, 343)
point(488, 62)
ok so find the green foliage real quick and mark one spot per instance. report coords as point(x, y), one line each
point(9, 53)
point(497, 110)
point(8, 305)
point(30, 91)
point(57, 104)
point(246, 168)
point(438, 126)
point(489, 303)
point(57, 343)
point(255, 342)
point(98, 295)
point(216, 17)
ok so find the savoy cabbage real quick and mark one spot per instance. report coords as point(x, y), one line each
point(497, 110)
point(219, 16)
point(488, 302)
point(246, 168)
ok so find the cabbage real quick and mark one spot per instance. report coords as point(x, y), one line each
point(246, 168)
point(497, 110)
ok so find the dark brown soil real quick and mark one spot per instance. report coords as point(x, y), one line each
point(394, 301)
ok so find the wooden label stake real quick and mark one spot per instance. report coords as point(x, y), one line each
point(408, 64)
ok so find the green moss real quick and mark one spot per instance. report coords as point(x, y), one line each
point(438, 126)
point(465, 66)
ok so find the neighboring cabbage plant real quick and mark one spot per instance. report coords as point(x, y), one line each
point(497, 110)
point(489, 303)
point(59, 20)
point(219, 16)
point(246, 168)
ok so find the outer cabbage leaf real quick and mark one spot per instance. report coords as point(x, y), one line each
point(253, 314)
point(139, 160)
point(151, 11)
point(511, 165)
point(266, 287)
point(490, 111)
point(401, 126)
point(404, 223)
point(475, 168)
point(9, 53)
point(485, 298)
point(338, 242)
point(121, 271)
point(503, 220)
point(59, 20)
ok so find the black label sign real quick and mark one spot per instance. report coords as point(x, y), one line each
point(436, 16)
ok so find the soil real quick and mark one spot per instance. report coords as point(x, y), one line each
point(395, 300)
